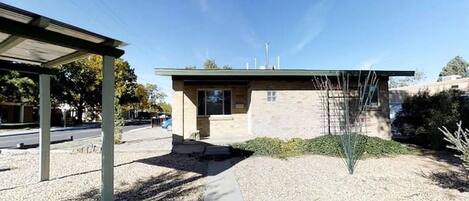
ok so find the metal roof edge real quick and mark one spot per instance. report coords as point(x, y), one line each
point(276, 72)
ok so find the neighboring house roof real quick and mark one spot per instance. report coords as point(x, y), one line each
point(276, 72)
point(397, 95)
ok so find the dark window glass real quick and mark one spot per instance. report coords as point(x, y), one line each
point(372, 93)
point(214, 101)
point(227, 101)
point(201, 103)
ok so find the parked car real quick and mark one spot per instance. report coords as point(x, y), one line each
point(167, 124)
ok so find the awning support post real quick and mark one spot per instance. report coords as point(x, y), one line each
point(107, 135)
point(44, 122)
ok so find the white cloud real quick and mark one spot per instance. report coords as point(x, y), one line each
point(311, 25)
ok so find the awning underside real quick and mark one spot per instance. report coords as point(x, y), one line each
point(30, 38)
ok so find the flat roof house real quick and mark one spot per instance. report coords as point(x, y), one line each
point(236, 105)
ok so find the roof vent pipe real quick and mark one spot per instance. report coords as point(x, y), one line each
point(278, 62)
point(266, 55)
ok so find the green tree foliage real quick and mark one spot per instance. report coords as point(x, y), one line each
point(395, 82)
point(151, 98)
point(457, 66)
point(423, 114)
point(210, 64)
point(17, 87)
point(119, 121)
point(165, 107)
point(227, 67)
point(79, 84)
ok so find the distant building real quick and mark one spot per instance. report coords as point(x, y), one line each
point(398, 95)
point(17, 113)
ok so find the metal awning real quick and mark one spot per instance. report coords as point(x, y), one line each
point(27, 37)
point(35, 44)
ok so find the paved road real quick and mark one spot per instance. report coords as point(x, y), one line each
point(33, 138)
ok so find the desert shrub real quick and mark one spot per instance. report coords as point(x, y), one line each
point(324, 145)
point(422, 115)
point(261, 146)
point(293, 147)
point(460, 142)
point(328, 145)
point(119, 122)
point(377, 147)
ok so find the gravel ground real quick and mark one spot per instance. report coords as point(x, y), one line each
point(145, 170)
point(138, 176)
point(314, 177)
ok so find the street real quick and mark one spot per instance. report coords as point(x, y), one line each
point(33, 138)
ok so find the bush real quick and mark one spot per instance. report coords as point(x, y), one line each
point(328, 145)
point(261, 146)
point(325, 145)
point(422, 115)
point(460, 142)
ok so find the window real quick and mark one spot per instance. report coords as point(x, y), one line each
point(454, 86)
point(372, 93)
point(271, 96)
point(214, 102)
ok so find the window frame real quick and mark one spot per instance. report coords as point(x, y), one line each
point(378, 101)
point(223, 101)
point(271, 96)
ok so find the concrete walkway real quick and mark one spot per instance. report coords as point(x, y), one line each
point(221, 182)
point(15, 132)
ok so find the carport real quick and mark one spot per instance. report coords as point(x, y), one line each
point(36, 44)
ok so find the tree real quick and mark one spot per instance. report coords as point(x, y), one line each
point(142, 95)
point(457, 66)
point(165, 107)
point(210, 64)
point(395, 82)
point(227, 67)
point(155, 96)
point(79, 84)
point(17, 87)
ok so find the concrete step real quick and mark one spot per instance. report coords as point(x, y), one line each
point(217, 151)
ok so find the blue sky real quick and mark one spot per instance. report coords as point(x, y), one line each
point(402, 35)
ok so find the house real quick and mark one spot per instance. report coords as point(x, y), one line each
point(398, 95)
point(243, 104)
point(448, 82)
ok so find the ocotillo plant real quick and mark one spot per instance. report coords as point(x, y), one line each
point(345, 102)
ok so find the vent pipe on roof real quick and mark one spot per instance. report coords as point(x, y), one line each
point(255, 63)
point(278, 62)
point(267, 55)
point(247, 65)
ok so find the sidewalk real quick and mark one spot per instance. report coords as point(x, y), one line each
point(36, 130)
point(144, 139)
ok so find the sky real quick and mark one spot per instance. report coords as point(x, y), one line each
point(306, 34)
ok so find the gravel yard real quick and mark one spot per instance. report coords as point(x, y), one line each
point(138, 176)
point(313, 177)
point(144, 170)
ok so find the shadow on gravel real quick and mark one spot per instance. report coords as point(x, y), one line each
point(457, 180)
point(176, 184)
point(172, 185)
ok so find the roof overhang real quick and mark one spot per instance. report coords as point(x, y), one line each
point(291, 73)
point(30, 38)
